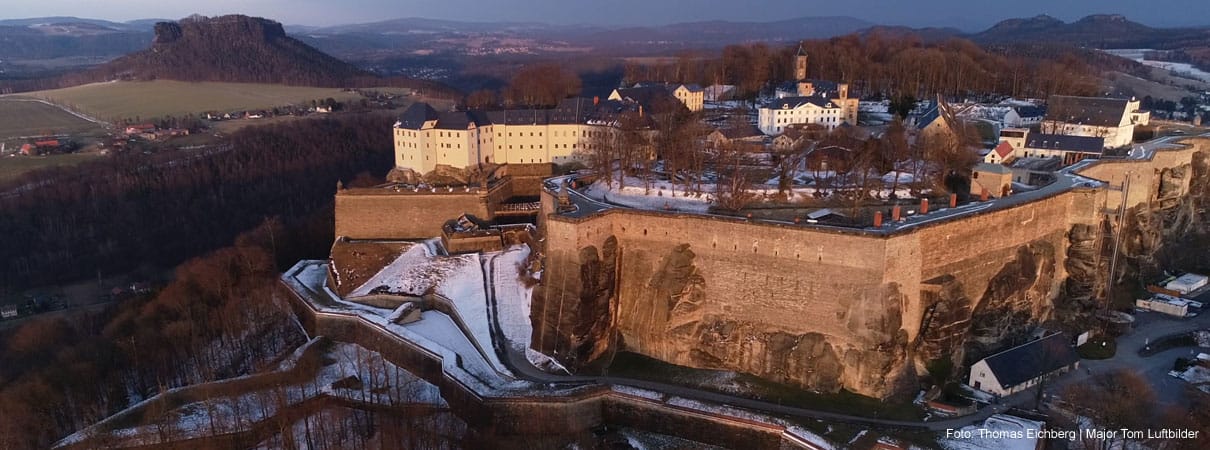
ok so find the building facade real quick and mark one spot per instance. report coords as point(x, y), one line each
point(775, 116)
point(1112, 119)
point(425, 138)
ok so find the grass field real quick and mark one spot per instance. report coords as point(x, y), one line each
point(150, 99)
point(25, 117)
point(12, 166)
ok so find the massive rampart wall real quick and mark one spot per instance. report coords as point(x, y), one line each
point(376, 213)
point(819, 308)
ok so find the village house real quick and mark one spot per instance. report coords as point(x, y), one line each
point(719, 92)
point(1000, 155)
point(691, 96)
point(742, 133)
point(1024, 116)
point(1024, 366)
point(141, 128)
point(796, 135)
point(1113, 119)
point(994, 180)
point(1069, 149)
point(1035, 171)
point(1014, 137)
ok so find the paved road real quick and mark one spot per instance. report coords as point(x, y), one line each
point(1149, 326)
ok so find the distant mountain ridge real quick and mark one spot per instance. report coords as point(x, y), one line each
point(1097, 30)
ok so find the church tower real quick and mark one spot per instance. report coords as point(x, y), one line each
point(800, 65)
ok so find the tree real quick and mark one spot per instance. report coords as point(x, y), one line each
point(732, 191)
point(541, 85)
point(1113, 400)
point(481, 99)
point(902, 105)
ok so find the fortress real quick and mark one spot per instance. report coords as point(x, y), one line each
point(821, 308)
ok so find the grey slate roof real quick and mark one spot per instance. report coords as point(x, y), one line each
point(1029, 111)
point(741, 132)
point(1031, 360)
point(1038, 164)
point(928, 117)
point(1103, 112)
point(794, 102)
point(1086, 144)
point(991, 168)
point(569, 111)
point(416, 115)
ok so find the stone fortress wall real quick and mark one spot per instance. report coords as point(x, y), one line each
point(380, 213)
point(390, 214)
point(814, 307)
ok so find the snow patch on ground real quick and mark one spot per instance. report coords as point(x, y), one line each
point(545, 363)
point(1196, 375)
point(513, 296)
point(814, 440)
point(635, 195)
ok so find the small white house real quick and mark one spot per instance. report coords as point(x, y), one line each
point(1024, 366)
point(1187, 283)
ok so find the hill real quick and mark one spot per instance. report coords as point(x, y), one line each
point(231, 49)
point(1098, 30)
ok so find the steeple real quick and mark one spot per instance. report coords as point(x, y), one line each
point(800, 64)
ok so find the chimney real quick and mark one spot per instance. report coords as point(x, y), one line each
point(877, 219)
point(953, 200)
point(983, 195)
point(596, 100)
point(895, 213)
point(640, 110)
point(924, 206)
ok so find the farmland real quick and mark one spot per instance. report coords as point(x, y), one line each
point(142, 100)
point(13, 166)
point(23, 118)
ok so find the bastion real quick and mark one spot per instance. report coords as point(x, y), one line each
point(863, 309)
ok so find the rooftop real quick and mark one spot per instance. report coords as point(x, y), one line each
point(1103, 112)
point(1084, 144)
point(796, 102)
point(1031, 360)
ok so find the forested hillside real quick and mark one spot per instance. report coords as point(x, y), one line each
point(115, 214)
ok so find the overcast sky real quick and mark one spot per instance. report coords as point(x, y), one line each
point(966, 14)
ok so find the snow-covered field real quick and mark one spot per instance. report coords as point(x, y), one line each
point(1181, 69)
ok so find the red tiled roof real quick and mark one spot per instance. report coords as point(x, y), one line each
point(1004, 149)
point(49, 143)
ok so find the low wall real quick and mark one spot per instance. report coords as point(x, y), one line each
point(508, 421)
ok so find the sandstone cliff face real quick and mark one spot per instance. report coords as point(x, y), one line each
point(573, 323)
point(1016, 300)
point(826, 311)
